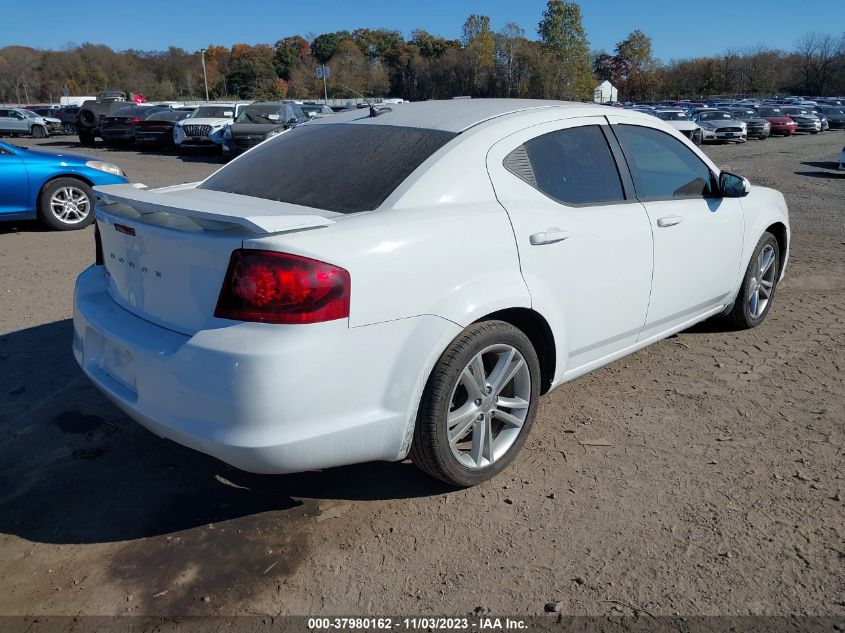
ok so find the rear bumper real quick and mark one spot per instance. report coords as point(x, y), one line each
point(263, 398)
point(117, 135)
point(154, 138)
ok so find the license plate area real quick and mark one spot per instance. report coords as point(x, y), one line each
point(112, 359)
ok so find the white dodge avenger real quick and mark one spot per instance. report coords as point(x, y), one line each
point(384, 284)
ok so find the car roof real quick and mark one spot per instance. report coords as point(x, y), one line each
point(454, 115)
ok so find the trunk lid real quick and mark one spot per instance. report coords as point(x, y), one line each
point(166, 251)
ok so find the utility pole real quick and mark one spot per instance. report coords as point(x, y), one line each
point(204, 76)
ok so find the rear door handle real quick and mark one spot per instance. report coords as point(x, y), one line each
point(549, 236)
point(669, 220)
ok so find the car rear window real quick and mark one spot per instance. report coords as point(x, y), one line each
point(337, 167)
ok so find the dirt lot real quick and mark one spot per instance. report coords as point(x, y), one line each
point(721, 490)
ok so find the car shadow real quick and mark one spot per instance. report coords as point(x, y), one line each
point(75, 469)
point(23, 226)
point(821, 164)
point(821, 174)
point(65, 144)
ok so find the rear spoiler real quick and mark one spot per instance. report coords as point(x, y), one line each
point(254, 214)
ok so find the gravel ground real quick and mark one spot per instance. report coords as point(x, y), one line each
point(720, 490)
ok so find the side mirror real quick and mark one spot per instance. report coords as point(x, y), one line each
point(733, 186)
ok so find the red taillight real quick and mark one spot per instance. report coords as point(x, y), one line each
point(281, 288)
point(134, 119)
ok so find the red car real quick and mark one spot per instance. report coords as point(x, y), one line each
point(781, 124)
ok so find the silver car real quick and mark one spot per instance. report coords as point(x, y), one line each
point(719, 125)
point(21, 122)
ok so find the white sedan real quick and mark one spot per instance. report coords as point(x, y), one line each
point(378, 285)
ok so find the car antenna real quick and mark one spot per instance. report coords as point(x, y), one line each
point(373, 111)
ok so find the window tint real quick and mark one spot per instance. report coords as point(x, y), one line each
point(662, 166)
point(573, 166)
point(342, 167)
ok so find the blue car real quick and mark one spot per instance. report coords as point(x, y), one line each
point(53, 187)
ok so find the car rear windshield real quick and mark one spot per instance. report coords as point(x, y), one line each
point(137, 111)
point(341, 167)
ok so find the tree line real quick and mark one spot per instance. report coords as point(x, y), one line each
point(559, 64)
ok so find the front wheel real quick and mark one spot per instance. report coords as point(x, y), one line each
point(66, 204)
point(478, 405)
point(759, 284)
point(38, 131)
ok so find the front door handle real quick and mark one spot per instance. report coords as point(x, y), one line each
point(669, 220)
point(550, 236)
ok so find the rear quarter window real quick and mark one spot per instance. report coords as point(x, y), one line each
point(344, 168)
point(573, 166)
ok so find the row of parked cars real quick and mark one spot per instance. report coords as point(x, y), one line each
point(230, 127)
point(738, 121)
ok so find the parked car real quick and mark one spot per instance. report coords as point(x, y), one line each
point(757, 126)
point(679, 120)
point(815, 109)
point(91, 111)
point(334, 313)
point(842, 160)
point(782, 125)
point(258, 122)
point(157, 129)
point(719, 125)
point(119, 126)
point(22, 122)
point(56, 188)
point(835, 116)
point(66, 114)
point(316, 110)
point(805, 120)
point(203, 129)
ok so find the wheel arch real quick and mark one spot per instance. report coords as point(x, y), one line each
point(55, 177)
point(778, 229)
point(539, 332)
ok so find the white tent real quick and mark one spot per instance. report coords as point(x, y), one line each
point(605, 92)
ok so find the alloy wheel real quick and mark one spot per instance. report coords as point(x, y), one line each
point(488, 406)
point(762, 283)
point(70, 205)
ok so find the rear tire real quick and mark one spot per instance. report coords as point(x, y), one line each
point(758, 285)
point(66, 204)
point(478, 405)
point(69, 129)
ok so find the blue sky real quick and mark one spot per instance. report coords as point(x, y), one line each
point(682, 28)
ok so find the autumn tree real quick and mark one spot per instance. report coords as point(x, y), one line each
point(820, 58)
point(479, 49)
point(324, 46)
point(635, 64)
point(562, 33)
point(252, 73)
point(510, 61)
point(289, 51)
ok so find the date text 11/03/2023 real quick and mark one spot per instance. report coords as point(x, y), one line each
point(421, 623)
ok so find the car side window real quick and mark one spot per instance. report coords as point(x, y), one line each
point(573, 166)
point(662, 166)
